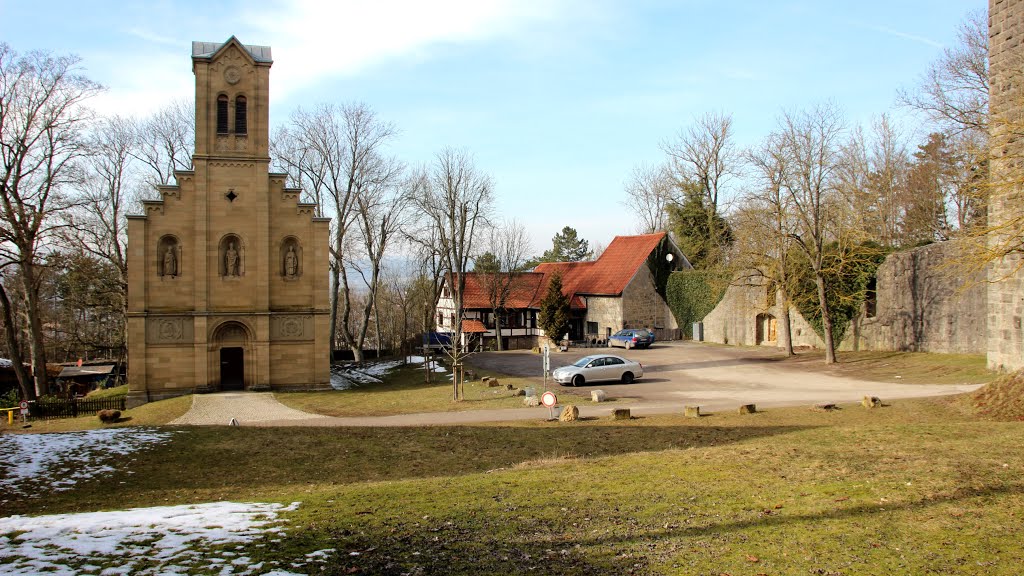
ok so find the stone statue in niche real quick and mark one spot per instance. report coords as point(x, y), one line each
point(170, 262)
point(231, 261)
point(291, 263)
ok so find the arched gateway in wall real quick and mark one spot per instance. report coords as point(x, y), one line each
point(230, 349)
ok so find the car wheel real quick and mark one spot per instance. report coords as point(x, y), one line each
point(628, 345)
point(578, 380)
point(627, 378)
point(610, 344)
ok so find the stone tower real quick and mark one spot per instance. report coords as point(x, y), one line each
point(227, 272)
point(1006, 102)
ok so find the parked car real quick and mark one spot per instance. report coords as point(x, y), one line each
point(598, 367)
point(630, 338)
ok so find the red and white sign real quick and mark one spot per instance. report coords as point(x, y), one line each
point(24, 407)
point(549, 399)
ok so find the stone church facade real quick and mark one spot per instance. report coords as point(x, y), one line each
point(227, 271)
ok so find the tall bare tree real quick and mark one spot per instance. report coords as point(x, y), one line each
point(954, 91)
point(649, 191)
point(339, 151)
point(41, 122)
point(165, 141)
point(454, 199)
point(381, 213)
point(509, 244)
point(705, 155)
point(811, 141)
point(765, 225)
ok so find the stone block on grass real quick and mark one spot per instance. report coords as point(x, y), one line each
point(598, 396)
point(531, 401)
point(871, 402)
point(748, 409)
point(691, 411)
point(570, 413)
point(621, 414)
point(827, 407)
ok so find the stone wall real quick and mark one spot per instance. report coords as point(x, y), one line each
point(926, 302)
point(642, 306)
point(744, 306)
point(1006, 288)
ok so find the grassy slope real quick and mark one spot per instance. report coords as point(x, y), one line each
point(1002, 399)
point(918, 487)
point(901, 367)
point(152, 414)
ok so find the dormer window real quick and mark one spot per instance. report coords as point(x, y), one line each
point(240, 112)
point(222, 114)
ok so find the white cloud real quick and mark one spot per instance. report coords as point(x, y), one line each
point(312, 40)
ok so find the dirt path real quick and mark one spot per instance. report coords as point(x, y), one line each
point(676, 375)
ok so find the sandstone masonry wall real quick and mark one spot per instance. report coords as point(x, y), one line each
point(1006, 288)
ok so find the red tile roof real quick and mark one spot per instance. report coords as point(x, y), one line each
point(606, 276)
point(473, 327)
point(611, 272)
point(524, 293)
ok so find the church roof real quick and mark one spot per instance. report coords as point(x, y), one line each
point(208, 49)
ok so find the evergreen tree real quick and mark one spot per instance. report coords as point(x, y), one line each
point(554, 309)
point(567, 246)
point(700, 231)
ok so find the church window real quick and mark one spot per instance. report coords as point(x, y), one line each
point(222, 114)
point(240, 115)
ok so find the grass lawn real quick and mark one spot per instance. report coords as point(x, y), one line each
point(898, 367)
point(404, 392)
point(918, 487)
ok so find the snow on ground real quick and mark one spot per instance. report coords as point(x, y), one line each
point(59, 461)
point(346, 376)
point(158, 540)
point(420, 360)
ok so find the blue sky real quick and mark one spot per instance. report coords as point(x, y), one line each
point(558, 100)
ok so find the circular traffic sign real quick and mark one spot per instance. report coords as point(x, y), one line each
point(549, 399)
point(24, 405)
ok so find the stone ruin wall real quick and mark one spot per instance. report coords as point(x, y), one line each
point(925, 303)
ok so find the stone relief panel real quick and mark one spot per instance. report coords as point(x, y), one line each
point(169, 330)
point(291, 327)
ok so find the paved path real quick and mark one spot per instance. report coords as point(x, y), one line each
point(247, 408)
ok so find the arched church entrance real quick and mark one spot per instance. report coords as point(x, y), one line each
point(767, 329)
point(230, 353)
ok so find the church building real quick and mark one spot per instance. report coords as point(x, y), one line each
point(228, 270)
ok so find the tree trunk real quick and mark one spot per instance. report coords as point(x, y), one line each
point(497, 331)
point(37, 343)
point(826, 319)
point(28, 391)
point(786, 331)
point(335, 290)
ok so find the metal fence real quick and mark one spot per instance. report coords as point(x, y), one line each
point(50, 409)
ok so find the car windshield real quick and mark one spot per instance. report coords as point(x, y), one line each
point(582, 362)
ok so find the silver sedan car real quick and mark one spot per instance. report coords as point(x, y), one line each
point(598, 367)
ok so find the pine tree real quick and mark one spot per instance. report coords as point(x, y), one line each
point(567, 246)
point(554, 309)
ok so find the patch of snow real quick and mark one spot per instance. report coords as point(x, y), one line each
point(382, 368)
point(158, 540)
point(59, 461)
point(339, 382)
point(6, 363)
